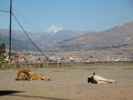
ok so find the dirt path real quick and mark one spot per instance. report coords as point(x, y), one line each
point(68, 84)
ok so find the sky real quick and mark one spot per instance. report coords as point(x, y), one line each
point(56, 15)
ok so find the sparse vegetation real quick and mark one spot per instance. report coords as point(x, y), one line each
point(2, 55)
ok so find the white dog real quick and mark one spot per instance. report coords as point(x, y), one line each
point(96, 79)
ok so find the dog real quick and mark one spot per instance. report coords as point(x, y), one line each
point(27, 74)
point(96, 79)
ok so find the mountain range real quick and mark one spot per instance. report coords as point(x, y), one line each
point(120, 36)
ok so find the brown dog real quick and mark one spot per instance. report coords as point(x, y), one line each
point(27, 74)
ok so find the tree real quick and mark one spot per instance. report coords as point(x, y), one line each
point(2, 52)
point(2, 49)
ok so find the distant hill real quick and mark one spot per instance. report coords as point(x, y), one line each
point(19, 42)
point(117, 37)
point(50, 40)
point(67, 40)
point(44, 40)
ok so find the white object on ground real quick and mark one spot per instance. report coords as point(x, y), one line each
point(100, 79)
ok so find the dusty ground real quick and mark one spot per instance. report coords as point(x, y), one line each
point(70, 83)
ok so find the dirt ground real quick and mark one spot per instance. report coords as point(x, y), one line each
point(70, 83)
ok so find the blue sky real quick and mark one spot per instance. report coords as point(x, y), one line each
point(83, 15)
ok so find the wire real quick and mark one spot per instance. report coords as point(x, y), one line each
point(4, 11)
point(26, 33)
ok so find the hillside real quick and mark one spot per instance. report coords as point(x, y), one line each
point(44, 40)
point(19, 42)
point(117, 37)
point(66, 40)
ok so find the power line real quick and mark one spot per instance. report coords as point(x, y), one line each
point(4, 11)
point(26, 33)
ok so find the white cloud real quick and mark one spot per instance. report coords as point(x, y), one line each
point(55, 28)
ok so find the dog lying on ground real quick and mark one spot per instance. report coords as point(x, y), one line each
point(27, 74)
point(95, 79)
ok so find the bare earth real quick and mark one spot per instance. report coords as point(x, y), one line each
point(70, 83)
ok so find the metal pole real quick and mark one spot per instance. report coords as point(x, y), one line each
point(10, 30)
